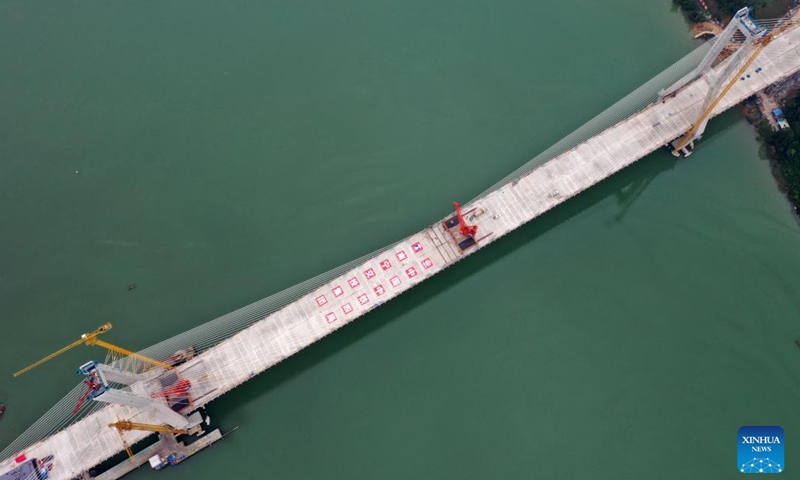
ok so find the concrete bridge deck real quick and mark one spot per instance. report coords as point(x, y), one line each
point(418, 257)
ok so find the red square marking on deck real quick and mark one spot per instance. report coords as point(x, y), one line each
point(347, 308)
point(363, 299)
point(411, 272)
point(401, 255)
point(417, 247)
point(386, 264)
point(369, 273)
point(379, 290)
point(427, 263)
point(354, 282)
point(321, 300)
point(330, 317)
point(337, 291)
point(395, 281)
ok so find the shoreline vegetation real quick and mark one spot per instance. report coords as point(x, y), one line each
point(720, 11)
point(780, 146)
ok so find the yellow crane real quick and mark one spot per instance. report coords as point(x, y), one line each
point(760, 45)
point(127, 425)
point(91, 339)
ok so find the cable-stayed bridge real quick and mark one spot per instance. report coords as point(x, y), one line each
point(671, 110)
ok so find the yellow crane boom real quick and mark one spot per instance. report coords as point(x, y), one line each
point(761, 44)
point(688, 136)
point(125, 444)
point(127, 425)
point(91, 339)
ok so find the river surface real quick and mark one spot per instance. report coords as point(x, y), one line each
point(228, 150)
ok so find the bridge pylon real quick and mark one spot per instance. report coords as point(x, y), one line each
point(98, 378)
point(733, 50)
point(743, 25)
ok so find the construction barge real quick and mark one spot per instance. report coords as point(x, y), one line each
point(166, 451)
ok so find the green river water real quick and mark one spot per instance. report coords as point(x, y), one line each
point(228, 150)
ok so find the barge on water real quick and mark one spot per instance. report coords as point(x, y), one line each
point(168, 450)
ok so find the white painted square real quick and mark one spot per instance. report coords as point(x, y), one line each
point(369, 273)
point(337, 291)
point(386, 264)
point(395, 281)
point(353, 282)
point(363, 299)
point(401, 255)
point(321, 300)
point(347, 308)
point(411, 272)
point(379, 290)
point(330, 317)
point(427, 263)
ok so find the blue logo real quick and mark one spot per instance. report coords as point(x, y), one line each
point(761, 450)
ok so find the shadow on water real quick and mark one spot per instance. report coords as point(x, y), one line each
point(627, 195)
point(626, 187)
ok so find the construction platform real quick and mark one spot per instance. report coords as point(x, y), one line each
point(393, 271)
point(165, 448)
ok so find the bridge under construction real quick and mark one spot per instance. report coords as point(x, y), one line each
point(671, 110)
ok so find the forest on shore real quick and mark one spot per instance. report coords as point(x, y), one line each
point(784, 149)
point(718, 10)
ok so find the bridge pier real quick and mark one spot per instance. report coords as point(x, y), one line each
point(686, 150)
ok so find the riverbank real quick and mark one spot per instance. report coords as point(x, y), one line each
point(720, 11)
point(781, 146)
point(703, 29)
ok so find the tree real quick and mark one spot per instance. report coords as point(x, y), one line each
point(732, 6)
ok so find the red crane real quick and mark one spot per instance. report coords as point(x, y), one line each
point(93, 385)
point(179, 389)
point(466, 230)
